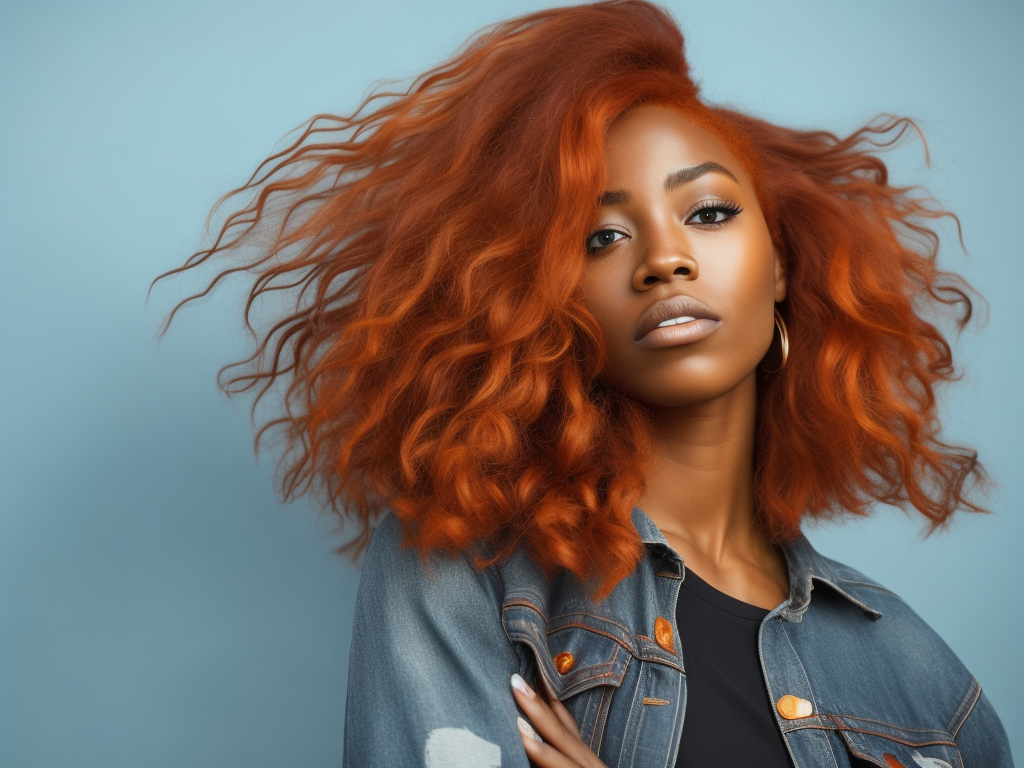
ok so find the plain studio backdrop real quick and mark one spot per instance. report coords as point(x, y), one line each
point(158, 605)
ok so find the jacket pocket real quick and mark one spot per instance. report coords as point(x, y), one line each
point(582, 658)
point(890, 746)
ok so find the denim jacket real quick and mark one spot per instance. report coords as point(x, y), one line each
point(856, 676)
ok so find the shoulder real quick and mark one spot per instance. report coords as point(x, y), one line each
point(395, 573)
point(430, 662)
point(854, 579)
point(870, 656)
point(884, 616)
point(882, 677)
point(887, 611)
point(820, 583)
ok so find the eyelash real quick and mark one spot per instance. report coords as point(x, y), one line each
point(715, 205)
point(731, 209)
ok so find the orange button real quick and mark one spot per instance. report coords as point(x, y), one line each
point(663, 634)
point(792, 707)
point(564, 662)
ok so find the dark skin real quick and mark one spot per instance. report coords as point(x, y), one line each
point(680, 218)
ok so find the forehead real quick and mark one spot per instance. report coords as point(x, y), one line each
point(657, 137)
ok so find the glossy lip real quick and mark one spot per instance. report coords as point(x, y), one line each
point(674, 335)
point(666, 309)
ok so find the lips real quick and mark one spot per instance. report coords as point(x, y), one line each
point(666, 309)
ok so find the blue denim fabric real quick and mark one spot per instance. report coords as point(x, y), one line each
point(435, 642)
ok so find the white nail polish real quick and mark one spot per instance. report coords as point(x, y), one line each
point(528, 731)
point(520, 685)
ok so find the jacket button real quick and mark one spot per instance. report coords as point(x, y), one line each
point(791, 707)
point(564, 662)
point(663, 634)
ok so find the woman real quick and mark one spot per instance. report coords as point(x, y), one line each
point(588, 350)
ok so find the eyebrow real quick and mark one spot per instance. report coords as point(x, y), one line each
point(673, 180)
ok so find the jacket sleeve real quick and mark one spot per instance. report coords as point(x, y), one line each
point(428, 679)
point(982, 739)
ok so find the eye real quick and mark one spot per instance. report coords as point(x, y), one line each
point(713, 214)
point(603, 238)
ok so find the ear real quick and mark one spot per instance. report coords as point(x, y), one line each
point(780, 277)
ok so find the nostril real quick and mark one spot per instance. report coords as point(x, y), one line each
point(682, 271)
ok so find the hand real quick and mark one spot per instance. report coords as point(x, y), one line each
point(562, 746)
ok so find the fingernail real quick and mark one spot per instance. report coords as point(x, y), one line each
point(528, 731)
point(520, 685)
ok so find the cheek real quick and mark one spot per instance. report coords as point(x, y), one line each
point(742, 276)
point(603, 297)
point(749, 297)
point(612, 326)
point(614, 335)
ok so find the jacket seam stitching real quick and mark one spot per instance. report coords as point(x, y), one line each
point(656, 659)
point(623, 627)
point(816, 727)
point(635, 718)
point(803, 672)
point(522, 601)
point(600, 717)
point(633, 651)
point(973, 695)
point(842, 725)
point(611, 637)
point(904, 742)
point(607, 667)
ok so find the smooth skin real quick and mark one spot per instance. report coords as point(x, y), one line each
point(700, 233)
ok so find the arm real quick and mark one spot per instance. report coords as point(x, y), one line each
point(430, 664)
point(982, 740)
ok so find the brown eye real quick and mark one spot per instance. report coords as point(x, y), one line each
point(603, 238)
point(713, 215)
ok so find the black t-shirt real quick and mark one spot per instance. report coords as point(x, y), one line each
point(729, 720)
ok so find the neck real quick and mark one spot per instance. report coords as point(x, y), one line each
point(700, 480)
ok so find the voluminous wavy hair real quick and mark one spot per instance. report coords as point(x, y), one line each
point(438, 360)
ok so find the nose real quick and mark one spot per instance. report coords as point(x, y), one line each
point(667, 256)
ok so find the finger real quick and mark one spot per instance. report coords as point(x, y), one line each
point(564, 715)
point(542, 755)
point(541, 707)
point(558, 708)
point(561, 735)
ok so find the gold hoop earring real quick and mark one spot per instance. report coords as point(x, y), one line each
point(783, 341)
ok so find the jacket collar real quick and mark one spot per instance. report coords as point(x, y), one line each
point(805, 566)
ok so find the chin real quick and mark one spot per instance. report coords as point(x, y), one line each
point(675, 391)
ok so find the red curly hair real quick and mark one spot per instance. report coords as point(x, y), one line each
point(439, 360)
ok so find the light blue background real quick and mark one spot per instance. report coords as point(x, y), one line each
point(158, 607)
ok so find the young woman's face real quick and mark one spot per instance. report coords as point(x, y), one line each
point(679, 239)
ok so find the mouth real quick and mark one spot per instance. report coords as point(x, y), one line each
point(677, 319)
